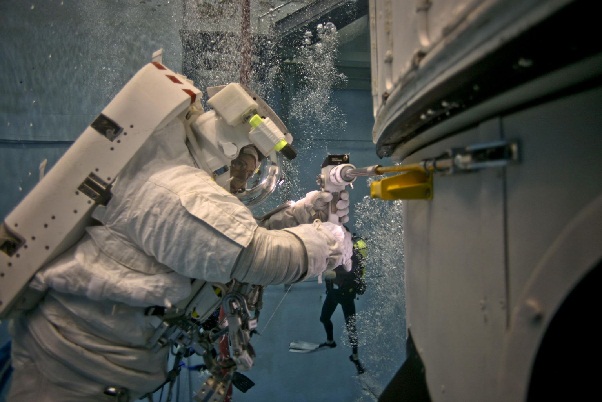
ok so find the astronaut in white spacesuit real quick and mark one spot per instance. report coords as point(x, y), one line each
point(169, 222)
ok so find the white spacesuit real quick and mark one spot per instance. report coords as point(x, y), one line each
point(169, 221)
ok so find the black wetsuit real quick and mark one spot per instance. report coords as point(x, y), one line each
point(343, 290)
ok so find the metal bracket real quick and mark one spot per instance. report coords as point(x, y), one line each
point(107, 127)
point(473, 157)
point(10, 242)
point(482, 156)
point(97, 189)
point(416, 183)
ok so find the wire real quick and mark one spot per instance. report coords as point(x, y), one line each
point(276, 309)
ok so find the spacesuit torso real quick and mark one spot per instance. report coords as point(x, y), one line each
point(131, 261)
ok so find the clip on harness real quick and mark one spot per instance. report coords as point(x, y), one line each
point(182, 329)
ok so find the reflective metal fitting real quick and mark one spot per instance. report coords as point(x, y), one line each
point(119, 393)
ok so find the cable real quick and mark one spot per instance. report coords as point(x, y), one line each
point(276, 309)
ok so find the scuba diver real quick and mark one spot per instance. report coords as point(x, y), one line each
point(342, 287)
point(168, 248)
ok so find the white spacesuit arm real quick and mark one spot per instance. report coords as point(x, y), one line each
point(291, 255)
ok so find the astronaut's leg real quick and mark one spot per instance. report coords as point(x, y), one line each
point(40, 377)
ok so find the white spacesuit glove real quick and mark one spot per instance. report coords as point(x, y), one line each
point(326, 245)
point(315, 205)
point(311, 207)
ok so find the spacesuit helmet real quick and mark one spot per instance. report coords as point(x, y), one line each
point(240, 143)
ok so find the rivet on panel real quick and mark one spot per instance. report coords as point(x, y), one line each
point(534, 309)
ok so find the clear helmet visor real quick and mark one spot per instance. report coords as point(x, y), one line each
point(264, 180)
